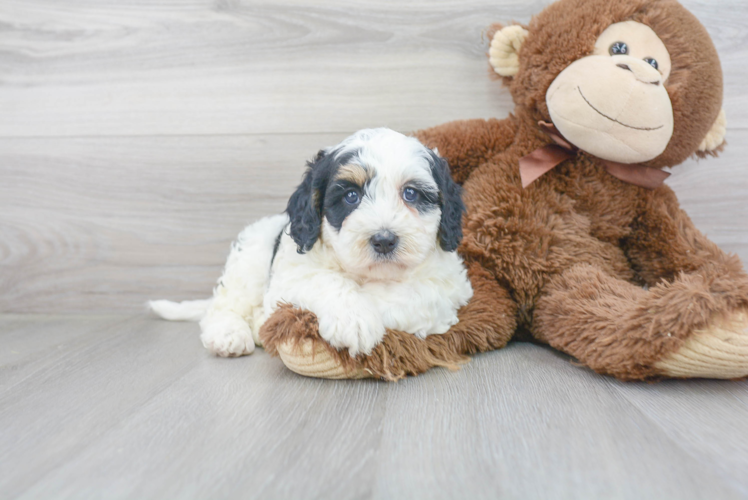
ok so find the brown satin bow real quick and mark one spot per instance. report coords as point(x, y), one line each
point(544, 159)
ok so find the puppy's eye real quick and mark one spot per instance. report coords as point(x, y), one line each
point(619, 49)
point(351, 197)
point(651, 62)
point(410, 195)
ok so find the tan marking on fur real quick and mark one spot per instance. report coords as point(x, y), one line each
point(354, 173)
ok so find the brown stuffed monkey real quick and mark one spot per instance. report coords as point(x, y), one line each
point(570, 237)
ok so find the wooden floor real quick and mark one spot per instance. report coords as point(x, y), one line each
point(118, 407)
point(137, 138)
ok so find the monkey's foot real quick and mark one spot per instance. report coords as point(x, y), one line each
point(718, 351)
point(313, 359)
point(293, 335)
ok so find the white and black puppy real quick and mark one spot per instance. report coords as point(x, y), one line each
point(367, 242)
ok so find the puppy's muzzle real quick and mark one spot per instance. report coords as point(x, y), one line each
point(384, 242)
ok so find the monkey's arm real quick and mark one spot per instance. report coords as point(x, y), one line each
point(665, 244)
point(696, 290)
point(487, 322)
point(692, 321)
point(466, 144)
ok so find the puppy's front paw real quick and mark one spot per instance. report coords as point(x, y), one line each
point(355, 329)
point(226, 335)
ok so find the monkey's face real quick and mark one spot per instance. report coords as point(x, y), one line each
point(613, 103)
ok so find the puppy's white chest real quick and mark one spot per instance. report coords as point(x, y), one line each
point(422, 305)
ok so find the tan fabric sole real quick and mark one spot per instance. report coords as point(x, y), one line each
point(720, 351)
point(312, 359)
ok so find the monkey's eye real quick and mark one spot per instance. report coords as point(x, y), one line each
point(651, 61)
point(351, 197)
point(410, 195)
point(619, 49)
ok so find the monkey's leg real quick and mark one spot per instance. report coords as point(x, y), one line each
point(487, 322)
point(694, 326)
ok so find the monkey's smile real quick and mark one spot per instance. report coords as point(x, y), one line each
point(613, 119)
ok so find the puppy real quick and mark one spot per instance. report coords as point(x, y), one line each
point(367, 243)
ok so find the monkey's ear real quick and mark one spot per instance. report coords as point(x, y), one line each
point(504, 52)
point(715, 138)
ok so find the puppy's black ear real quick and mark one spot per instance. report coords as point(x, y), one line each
point(305, 208)
point(450, 226)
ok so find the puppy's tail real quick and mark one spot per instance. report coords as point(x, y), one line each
point(187, 310)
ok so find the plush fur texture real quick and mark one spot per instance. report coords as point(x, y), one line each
point(611, 273)
point(367, 243)
point(401, 354)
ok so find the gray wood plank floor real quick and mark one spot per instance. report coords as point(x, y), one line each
point(118, 407)
point(137, 138)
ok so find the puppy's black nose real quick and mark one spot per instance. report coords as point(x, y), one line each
point(384, 242)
